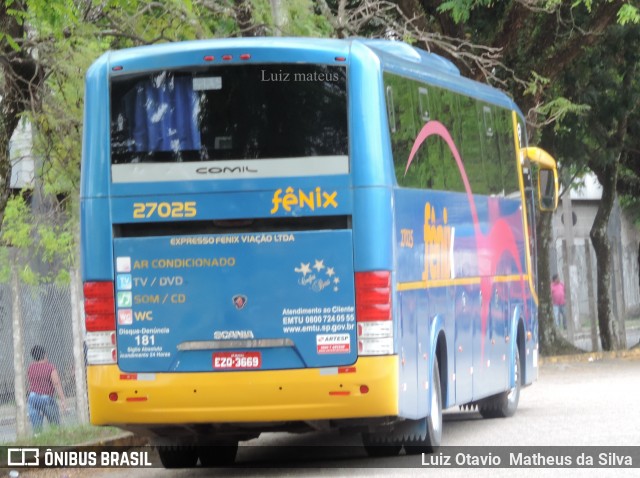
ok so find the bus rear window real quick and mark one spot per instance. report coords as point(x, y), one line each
point(231, 112)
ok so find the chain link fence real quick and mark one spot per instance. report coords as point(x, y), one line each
point(574, 260)
point(47, 315)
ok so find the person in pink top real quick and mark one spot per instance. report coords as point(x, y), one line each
point(557, 297)
point(44, 382)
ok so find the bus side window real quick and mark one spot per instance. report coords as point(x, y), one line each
point(510, 173)
point(491, 158)
point(391, 111)
point(471, 145)
point(423, 101)
point(488, 120)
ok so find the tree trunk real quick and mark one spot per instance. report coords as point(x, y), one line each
point(607, 177)
point(551, 342)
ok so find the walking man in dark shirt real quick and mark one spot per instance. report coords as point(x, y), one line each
point(43, 383)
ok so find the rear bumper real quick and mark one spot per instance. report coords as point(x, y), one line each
point(244, 397)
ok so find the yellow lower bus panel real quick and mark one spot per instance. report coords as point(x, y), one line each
point(369, 388)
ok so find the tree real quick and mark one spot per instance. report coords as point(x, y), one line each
point(20, 80)
point(605, 79)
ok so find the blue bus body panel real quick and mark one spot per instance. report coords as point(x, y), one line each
point(95, 173)
point(190, 294)
point(250, 204)
point(455, 295)
point(97, 239)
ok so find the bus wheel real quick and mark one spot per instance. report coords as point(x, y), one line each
point(433, 438)
point(178, 456)
point(504, 404)
point(218, 455)
point(375, 448)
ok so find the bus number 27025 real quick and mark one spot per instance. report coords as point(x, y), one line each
point(144, 210)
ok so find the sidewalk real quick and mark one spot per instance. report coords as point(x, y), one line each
point(582, 338)
point(631, 354)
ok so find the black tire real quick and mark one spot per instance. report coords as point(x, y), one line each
point(505, 404)
point(433, 438)
point(375, 446)
point(218, 455)
point(379, 451)
point(178, 456)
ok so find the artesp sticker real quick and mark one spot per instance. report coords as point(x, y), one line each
point(333, 343)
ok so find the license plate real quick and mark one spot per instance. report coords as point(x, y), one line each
point(236, 360)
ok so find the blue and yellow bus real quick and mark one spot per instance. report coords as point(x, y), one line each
point(294, 234)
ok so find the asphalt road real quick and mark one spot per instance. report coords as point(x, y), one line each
point(579, 404)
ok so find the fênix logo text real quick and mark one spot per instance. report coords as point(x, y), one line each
point(313, 199)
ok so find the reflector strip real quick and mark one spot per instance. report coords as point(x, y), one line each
point(346, 370)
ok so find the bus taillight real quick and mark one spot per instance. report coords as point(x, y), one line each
point(373, 313)
point(99, 306)
point(100, 322)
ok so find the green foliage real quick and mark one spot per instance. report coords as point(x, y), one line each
point(36, 240)
point(537, 84)
point(17, 227)
point(52, 18)
point(10, 40)
point(5, 266)
point(14, 14)
point(555, 110)
point(303, 21)
point(261, 12)
point(628, 14)
point(58, 123)
point(460, 10)
point(630, 202)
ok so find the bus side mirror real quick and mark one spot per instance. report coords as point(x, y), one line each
point(547, 177)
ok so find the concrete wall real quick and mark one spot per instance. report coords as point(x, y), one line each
point(625, 240)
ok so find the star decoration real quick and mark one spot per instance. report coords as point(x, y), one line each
point(304, 269)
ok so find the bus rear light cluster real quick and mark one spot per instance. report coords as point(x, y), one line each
point(100, 322)
point(101, 347)
point(373, 313)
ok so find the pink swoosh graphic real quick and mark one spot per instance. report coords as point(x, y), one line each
point(500, 238)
